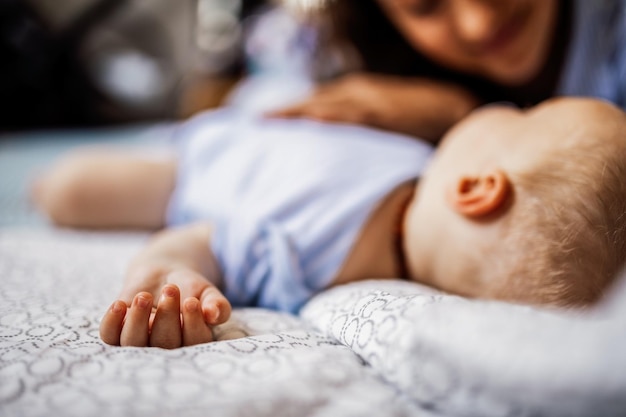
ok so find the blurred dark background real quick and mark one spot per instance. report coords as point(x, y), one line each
point(78, 63)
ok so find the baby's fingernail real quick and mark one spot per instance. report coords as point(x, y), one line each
point(169, 292)
point(142, 302)
point(116, 307)
point(192, 305)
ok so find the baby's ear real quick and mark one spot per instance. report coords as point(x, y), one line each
point(477, 196)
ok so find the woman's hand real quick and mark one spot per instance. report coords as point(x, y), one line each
point(414, 106)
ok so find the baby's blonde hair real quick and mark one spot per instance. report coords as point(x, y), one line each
point(565, 240)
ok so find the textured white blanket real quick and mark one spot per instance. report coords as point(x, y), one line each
point(373, 348)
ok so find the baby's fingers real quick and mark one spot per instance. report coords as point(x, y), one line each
point(166, 328)
point(136, 328)
point(215, 307)
point(195, 330)
point(112, 322)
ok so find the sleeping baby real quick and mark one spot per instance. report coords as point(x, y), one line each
point(524, 206)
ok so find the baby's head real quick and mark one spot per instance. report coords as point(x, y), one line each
point(525, 206)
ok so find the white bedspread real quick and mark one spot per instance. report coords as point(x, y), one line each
point(373, 348)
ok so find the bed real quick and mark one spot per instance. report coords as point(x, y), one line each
point(371, 348)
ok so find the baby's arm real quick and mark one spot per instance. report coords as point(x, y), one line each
point(176, 265)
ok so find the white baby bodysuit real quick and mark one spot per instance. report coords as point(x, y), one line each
point(287, 198)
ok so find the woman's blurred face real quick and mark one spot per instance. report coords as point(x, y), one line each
point(506, 41)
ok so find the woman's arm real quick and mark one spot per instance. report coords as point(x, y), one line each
point(415, 106)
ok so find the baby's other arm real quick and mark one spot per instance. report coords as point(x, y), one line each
point(177, 264)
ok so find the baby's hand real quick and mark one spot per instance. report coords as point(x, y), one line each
point(167, 325)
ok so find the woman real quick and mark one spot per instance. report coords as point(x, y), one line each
point(418, 66)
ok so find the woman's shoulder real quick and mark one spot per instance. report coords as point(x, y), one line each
point(596, 60)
